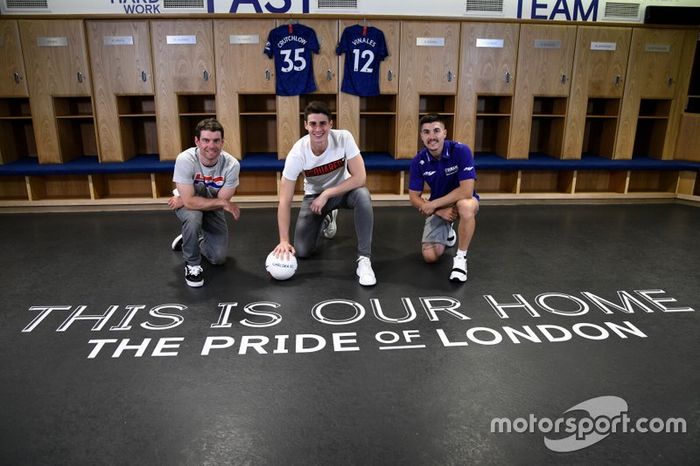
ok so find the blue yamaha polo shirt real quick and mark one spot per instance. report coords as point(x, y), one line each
point(443, 175)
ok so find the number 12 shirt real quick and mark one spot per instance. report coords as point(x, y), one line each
point(364, 47)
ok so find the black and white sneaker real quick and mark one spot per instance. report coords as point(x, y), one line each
point(451, 238)
point(459, 269)
point(194, 275)
point(176, 245)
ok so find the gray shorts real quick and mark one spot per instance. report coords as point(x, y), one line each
point(436, 230)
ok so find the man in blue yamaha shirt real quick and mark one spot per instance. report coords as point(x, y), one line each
point(448, 168)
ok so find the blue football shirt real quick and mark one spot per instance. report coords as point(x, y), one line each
point(292, 46)
point(364, 48)
point(442, 175)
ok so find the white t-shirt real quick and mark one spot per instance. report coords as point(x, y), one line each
point(321, 171)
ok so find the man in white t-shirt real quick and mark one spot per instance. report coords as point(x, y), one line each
point(334, 177)
point(206, 178)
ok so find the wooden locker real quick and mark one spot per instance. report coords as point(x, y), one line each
point(243, 70)
point(57, 66)
point(120, 54)
point(183, 52)
point(349, 105)
point(545, 58)
point(12, 81)
point(15, 114)
point(429, 59)
point(326, 61)
point(600, 69)
point(488, 54)
point(652, 84)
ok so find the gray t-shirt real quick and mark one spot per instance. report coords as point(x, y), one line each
point(207, 181)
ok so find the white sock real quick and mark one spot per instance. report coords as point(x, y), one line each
point(461, 252)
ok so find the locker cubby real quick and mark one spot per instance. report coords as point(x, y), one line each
point(55, 187)
point(122, 186)
point(493, 105)
point(258, 123)
point(136, 105)
point(15, 108)
point(440, 104)
point(378, 124)
point(696, 187)
point(384, 182)
point(600, 107)
point(492, 124)
point(16, 139)
point(258, 134)
point(491, 134)
point(385, 103)
point(651, 127)
point(693, 105)
point(257, 183)
point(549, 106)
point(163, 184)
point(72, 107)
point(16, 130)
point(649, 137)
point(197, 105)
point(13, 188)
point(77, 137)
point(139, 135)
point(546, 135)
point(494, 181)
point(377, 133)
point(601, 126)
point(547, 129)
point(256, 104)
point(601, 181)
point(547, 181)
point(654, 108)
point(653, 181)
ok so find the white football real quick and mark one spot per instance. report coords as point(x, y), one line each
point(279, 268)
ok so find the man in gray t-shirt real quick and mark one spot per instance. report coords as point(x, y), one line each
point(206, 178)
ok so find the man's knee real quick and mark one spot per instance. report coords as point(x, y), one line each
point(217, 257)
point(432, 252)
point(190, 217)
point(467, 208)
point(362, 196)
point(302, 251)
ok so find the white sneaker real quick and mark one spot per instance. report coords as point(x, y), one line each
point(176, 245)
point(459, 269)
point(330, 227)
point(364, 272)
point(451, 238)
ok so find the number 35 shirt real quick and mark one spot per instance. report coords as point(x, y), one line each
point(364, 47)
point(292, 46)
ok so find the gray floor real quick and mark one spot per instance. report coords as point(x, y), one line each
point(67, 400)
